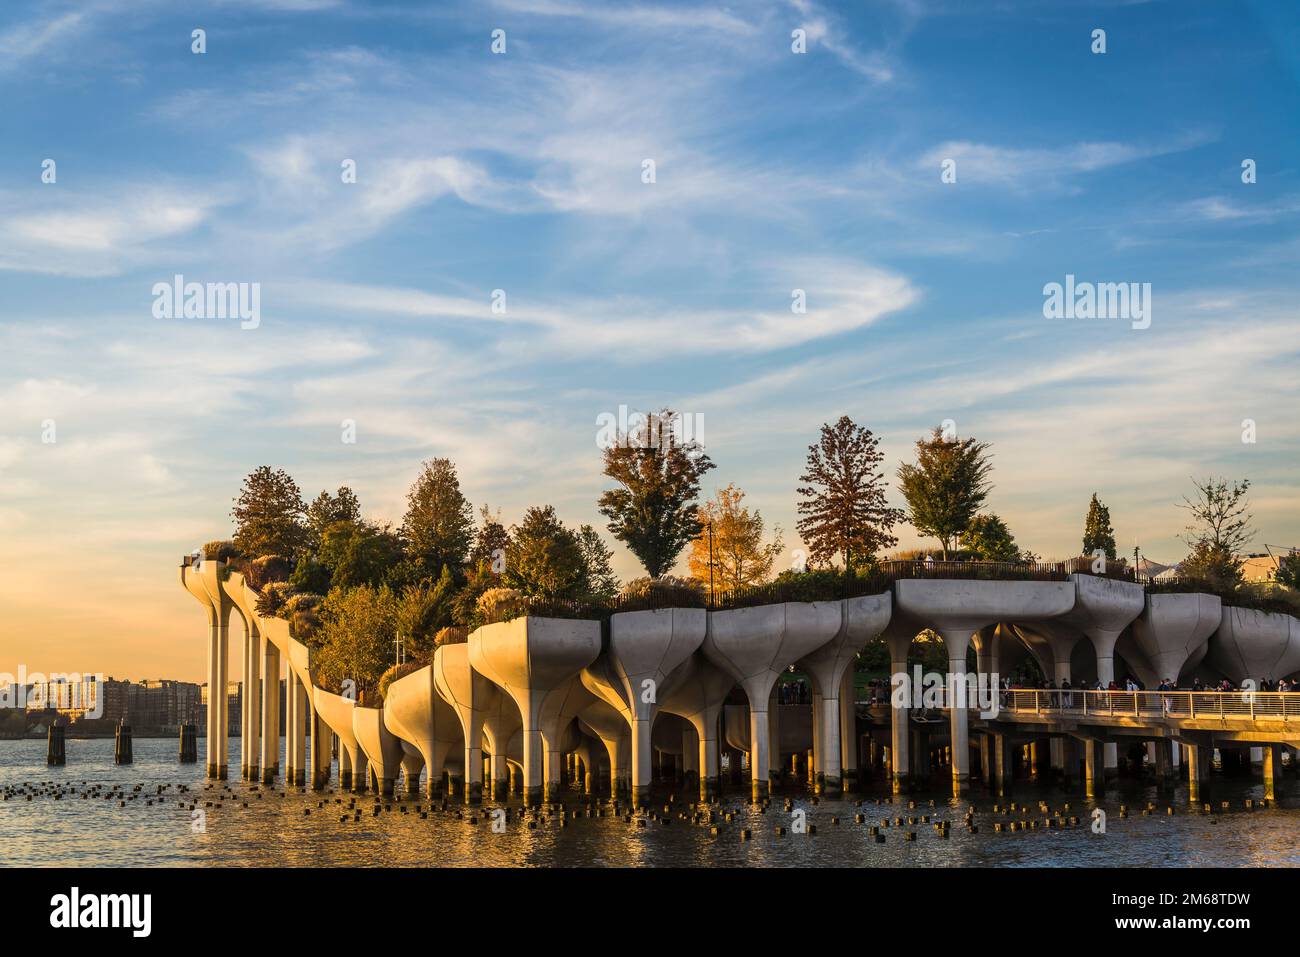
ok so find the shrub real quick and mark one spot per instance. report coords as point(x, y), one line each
point(302, 611)
point(394, 673)
point(261, 572)
point(451, 635)
point(271, 600)
point(500, 604)
point(666, 591)
point(219, 551)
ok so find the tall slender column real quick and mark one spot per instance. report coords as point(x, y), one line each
point(1272, 770)
point(759, 745)
point(299, 739)
point(322, 744)
point(1001, 763)
point(900, 715)
point(252, 702)
point(1093, 769)
point(642, 761)
point(223, 692)
point(957, 641)
point(216, 698)
point(848, 731)
point(270, 717)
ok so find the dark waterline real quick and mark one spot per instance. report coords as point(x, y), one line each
point(274, 830)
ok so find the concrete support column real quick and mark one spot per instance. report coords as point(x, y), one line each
point(690, 755)
point(534, 761)
point(345, 768)
point(299, 738)
point(1002, 765)
point(957, 641)
point(322, 744)
point(708, 767)
point(1163, 762)
point(1035, 759)
point(642, 761)
point(900, 718)
point(218, 679)
point(270, 717)
point(474, 765)
point(1194, 759)
point(360, 771)
point(1103, 642)
point(986, 756)
point(1094, 774)
point(1272, 770)
point(848, 731)
point(829, 759)
point(553, 762)
point(773, 738)
point(759, 744)
point(500, 776)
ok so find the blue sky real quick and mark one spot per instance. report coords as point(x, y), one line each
point(522, 171)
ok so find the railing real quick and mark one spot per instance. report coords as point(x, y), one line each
point(980, 571)
point(1156, 704)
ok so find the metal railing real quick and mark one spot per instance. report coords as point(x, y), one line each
point(1156, 704)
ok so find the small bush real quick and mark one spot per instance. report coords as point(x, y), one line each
point(261, 572)
point(500, 604)
point(219, 551)
point(272, 598)
point(451, 635)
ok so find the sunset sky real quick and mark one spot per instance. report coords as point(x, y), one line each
point(522, 172)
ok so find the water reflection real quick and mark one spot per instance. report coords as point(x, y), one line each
point(274, 830)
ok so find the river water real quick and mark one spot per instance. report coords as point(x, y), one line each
point(274, 830)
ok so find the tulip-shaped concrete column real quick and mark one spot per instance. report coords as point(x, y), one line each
point(501, 725)
point(471, 696)
point(270, 712)
point(862, 619)
point(1103, 608)
point(601, 720)
point(528, 658)
point(753, 646)
point(1170, 629)
point(645, 647)
point(899, 636)
point(558, 723)
point(956, 609)
point(382, 747)
point(696, 691)
point(1255, 645)
point(336, 712)
point(244, 601)
point(418, 714)
point(202, 579)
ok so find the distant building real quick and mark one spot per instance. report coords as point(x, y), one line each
point(234, 697)
point(163, 703)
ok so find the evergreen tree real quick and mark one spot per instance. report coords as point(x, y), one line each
point(269, 515)
point(1097, 531)
point(439, 524)
point(601, 584)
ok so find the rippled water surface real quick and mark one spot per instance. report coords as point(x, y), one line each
point(274, 830)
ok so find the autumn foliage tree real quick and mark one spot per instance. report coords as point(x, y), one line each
point(843, 496)
point(738, 556)
point(653, 511)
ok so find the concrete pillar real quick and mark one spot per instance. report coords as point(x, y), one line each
point(774, 738)
point(900, 718)
point(218, 636)
point(759, 744)
point(957, 641)
point(322, 746)
point(270, 717)
point(1272, 770)
point(500, 776)
point(302, 716)
point(642, 758)
point(1094, 774)
point(1002, 766)
point(1103, 641)
point(848, 732)
point(986, 756)
point(345, 768)
point(1035, 759)
point(690, 756)
point(1164, 765)
point(1196, 756)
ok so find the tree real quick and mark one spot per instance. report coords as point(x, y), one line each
point(358, 628)
point(491, 540)
point(269, 515)
point(359, 553)
point(326, 509)
point(424, 609)
point(739, 557)
point(653, 511)
point(1220, 515)
point(988, 537)
point(544, 558)
point(439, 524)
point(947, 486)
point(843, 508)
point(1288, 571)
point(600, 582)
point(1097, 532)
